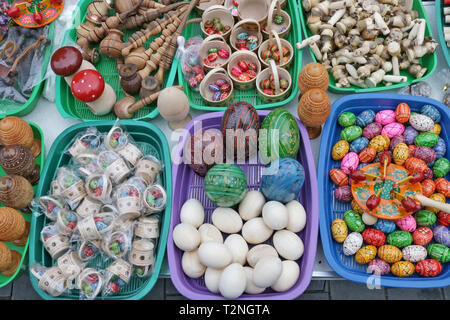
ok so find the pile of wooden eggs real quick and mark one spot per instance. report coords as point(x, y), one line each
point(244, 70)
point(418, 242)
point(215, 26)
point(268, 85)
point(213, 54)
point(221, 89)
point(244, 41)
point(273, 53)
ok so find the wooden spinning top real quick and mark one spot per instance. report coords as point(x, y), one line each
point(16, 159)
point(313, 110)
point(14, 130)
point(15, 191)
point(14, 264)
point(313, 75)
point(12, 224)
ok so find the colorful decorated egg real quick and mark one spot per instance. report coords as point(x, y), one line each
point(389, 253)
point(378, 267)
point(441, 167)
point(347, 119)
point(400, 154)
point(439, 252)
point(422, 236)
point(437, 197)
point(426, 139)
point(372, 130)
point(443, 186)
point(385, 226)
point(442, 235)
point(343, 194)
point(399, 239)
point(424, 153)
point(366, 254)
point(421, 122)
point(428, 187)
point(285, 183)
point(352, 243)
point(279, 136)
point(407, 224)
point(429, 268)
point(359, 144)
point(395, 141)
point(402, 113)
point(374, 237)
point(440, 148)
point(385, 117)
point(410, 134)
point(414, 253)
point(425, 218)
point(340, 149)
point(393, 129)
point(367, 155)
point(349, 162)
point(339, 230)
point(431, 112)
point(225, 184)
point(415, 165)
point(402, 269)
point(444, 218)
point(436, 129)
point(379, 143)
point(365, 118)
point(354, 221)
point(351, 133)
point(356, 207)
point(338, 177)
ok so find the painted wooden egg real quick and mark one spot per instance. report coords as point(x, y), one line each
point(351, 133)
point(352, 243)
point(372, 130)
point(428, 187)
point(443, 186)
point(439, 252)
point(437, 197)
point(429, 268)
point(356, 207)
point(359, 144)
point(424, 153)
point(240, 127)
point(339, 230)
point(402, 113)
point(410, 134)
point(285, 184)
point(440, 148)
point(374, 237)
point(444, 218)
point(421, 122)
point(378, 267)
point(385, 117)
point(441, 167)
point(367, 155)
point(414, 253)
point(343, 194)
point(400, 154)
point(354, 221)
point(422, 236)
point(402, 269)
point(407, 224)
point(415, 165)
point(399, 239)
point(393, 129)
point(225, 184)
point(279, 132)
point(389, 253)
point(385, 226)
point(379, 143)
point(366, 254)
point(426, 139)
point(338, 177)
point(347, 119)
point(442, 235)
point(350, 162)
point(396, 141)
point(365, 118)
point(432, 112)
point(425, 218)
point(428, 173)
point(340, 149)
point(436, 129)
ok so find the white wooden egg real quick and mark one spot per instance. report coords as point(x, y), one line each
point(267, 271)
point(288, 244)
point(192, 212)
point(226, 220)
point(259, 251)
point(209, 232)
point(275, 215)
point(352, 243)
point(251, 288)
point(256, 231)
point(232, 281)
point(238, 248)
point(214, 255)
point(252, 204)
point(289, 275)
point(297, 216)
point(212, 279)
point(369, 219)
point(191, 264)
point(186, 237)
point(414, 253)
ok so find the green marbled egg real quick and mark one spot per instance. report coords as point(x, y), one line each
point(425, 218)
point(225, 184)
point(279, 136)
point(354, 221)
point(347, 119)
point(351, 133)
point(427, 139)
point(439, 252)
point(400, 239)
point(441, 167)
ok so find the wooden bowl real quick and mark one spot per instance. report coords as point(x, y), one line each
point(253, 9)
point(226, 18)
point(214, 41)
point(279, 73)
point(275, 40)
point(211, 77)
point(249, 26)
point(246, 56)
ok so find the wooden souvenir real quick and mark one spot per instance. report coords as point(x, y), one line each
point(142, 253)
point(155, 198)
point(313, 75)
point(85, 278)
point(120, 268)
point(277, 20)
point(217, 74)
point(16, 258)
point(173, 105)
point(56, 245)
point(147, 228)
point(24, 238)
point(128, 202)
point(70, 265)
point(98, 187)
point(111, 46)
point(225, 16)
point(149, 86)
point(5, 257)
point(278, 73)
point(53, 282)
point(250, 27)
point(130, 80)
point(313, 110)
point(117, 170)
point(18, 160)
point(148, 169)
point(253, 9)
point(14, 130)
point(225, 184)
point(117, 244)
point(36, 148)
point(15, 191)
point(218, 42)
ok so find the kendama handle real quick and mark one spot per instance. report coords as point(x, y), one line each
point(445, 207)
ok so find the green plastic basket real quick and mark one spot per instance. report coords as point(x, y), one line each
point(440, 22)
point(250, 96)
point(429, 61)
point(69, 107)
point(23, 250)
point(150, 140)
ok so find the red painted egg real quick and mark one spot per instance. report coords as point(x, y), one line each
point(444, 218)
point(428, 187)
point(367, 155)
point(428, 268)
point(414, 165)
point(374, 237)
point(443, 186)
point(338, 177)
point(422, 236)
point(402, 113)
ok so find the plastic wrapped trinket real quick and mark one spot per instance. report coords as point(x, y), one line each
point(94, 227)
point(117, 244)
point(72, 187)
point(148, 168)
point(51, 280)
point(89, 249)
point(142, 256)
point(50, 206)
point(70, 264)
point(113, 166)
point(88, 142)
point(122, 143)
point(117, 276)
point(128, 202)
point(87, 164)
point(66, 222)
point(155, 198)
point(99, 187)
point(88, 207)
point(147, 227)
point(90, 283)
point(55, 243)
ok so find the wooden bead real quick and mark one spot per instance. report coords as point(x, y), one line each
point(314, 107)
point(12, 224)
point(14, 130)
point(313, 75)
point(15, 191)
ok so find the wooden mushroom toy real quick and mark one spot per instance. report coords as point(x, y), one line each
point(313, 110)
point(173, 105)
point(90, 87)
point(68, 61)
point(313, 75)
point(14, 130)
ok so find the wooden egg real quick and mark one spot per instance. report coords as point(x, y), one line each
point(443, 186)
point(414, 253)
point(436, 129)
point(314, 109)
point(372, 130)
point(225, 184)
point(444, 218)
point(379, 143)
point(350, 162)
point(365, 118)
point(427, 139)
point(353, 221)
point(339, 230)
point(439, 252)
point(367, 155)
point(395, 141)
point(429, 268)
point(343, 194)
point(402, 269)
point(340, 149)
point(313, 75)
point(385, 117)
point(389, 253)
point(436, 197)
point(338, 177)
point(374, 237)
point(366, 254)
point(422, 236)
point(440, 148)
point(421, 122)
point(399, 239)
point(441, 167)
point(402, 113)
point(400, 153)
point(378, 267)
point(352, 243)
point(442, 235)
point(15, 191)
point(14, 130)
point(426, 154)
point(12, 224)
point(173, 105)
point(351, 133)
point(425, 218)
point(415, 165)
point(356, 207)
point(385, 226)
point(428, 187)
point(393, 129)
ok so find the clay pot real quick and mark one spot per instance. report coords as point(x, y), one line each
point(15, 191)
point(111, 46)
point(313, 110)
point(130, 80)
point(313, 75)
point(14, 130)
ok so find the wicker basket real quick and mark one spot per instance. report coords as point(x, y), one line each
point(226, 18)
point(249, 26)
point(274, 39)
point(277, 27)
point(246, 56)
point(211, 77)
point(253, 9)
point(203, 6)
point(214, 41)
point(278, 74)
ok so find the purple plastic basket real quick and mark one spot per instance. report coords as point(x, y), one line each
point(188, 185)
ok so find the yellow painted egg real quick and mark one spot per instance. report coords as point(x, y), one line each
point(400, 154)
point(356, 207)
point(438, 197)
point(436, 129)
point(379, 143)
point(340, 149)
point(389, 253)
point(402, 269)
point(339, 230)
point(366, 254)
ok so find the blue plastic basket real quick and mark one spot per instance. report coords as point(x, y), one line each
point(331, 209)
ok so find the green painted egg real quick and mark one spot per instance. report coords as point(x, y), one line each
point(354, 221)
point(347, 119)
point(400, 239)
point(427, 139)
point(278, 137)
point(351, 133)
point(425, 218)
point(439, 252)
point(441, 167)
point(225, 184)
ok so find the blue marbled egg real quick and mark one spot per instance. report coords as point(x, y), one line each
point(385, 226)
point(440, 148)
point(410, 134)
point(284, 181)
point(431, 112)
point(365, 118)
point(359, 144)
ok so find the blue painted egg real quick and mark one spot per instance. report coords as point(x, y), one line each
point(365, 118)
point(431, 112)
point(385, 226)
point(440, 148)
point(410, 134)
point(359, 144)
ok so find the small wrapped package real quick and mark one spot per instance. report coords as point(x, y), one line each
point(117, 244)
point(88, 250)
point(147, 228)
point(54, 242)
point(72, 186)
point(122, 143)
point(86, 142)
point(50, 206)
point(88, 207)
point(96, 226)
point(128, 202)
point(148, 169)
point(90, 283)
point(51, 280)
point(99, 187)
point(155, 198)
point(142, 256)
point(113, 166)
point(66, 222)
point(87, 164)
point(117, 276)
point(70, 264)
